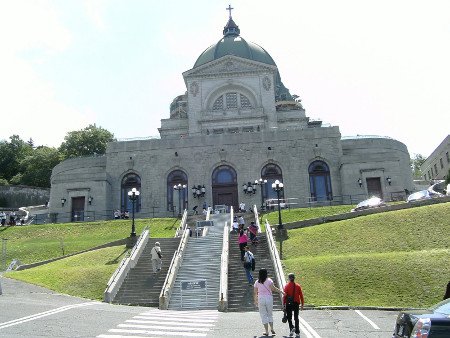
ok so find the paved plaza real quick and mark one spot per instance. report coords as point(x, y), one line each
point(31, 311)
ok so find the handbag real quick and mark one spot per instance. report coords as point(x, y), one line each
point(290, 299)
point(159, 254)
point(284, 319)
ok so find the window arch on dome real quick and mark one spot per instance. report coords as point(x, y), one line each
point(232, 100)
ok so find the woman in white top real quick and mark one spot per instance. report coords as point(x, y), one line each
point(263, 298)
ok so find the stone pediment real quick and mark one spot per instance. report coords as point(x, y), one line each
point(229, 65)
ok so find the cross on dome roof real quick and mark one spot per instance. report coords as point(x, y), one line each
point(229, 8)
point(231, 28)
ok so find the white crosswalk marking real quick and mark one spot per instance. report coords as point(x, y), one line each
point(159, 323)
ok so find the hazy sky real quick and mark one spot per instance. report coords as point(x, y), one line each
point(369, 67)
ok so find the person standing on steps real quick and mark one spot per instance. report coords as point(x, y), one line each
point(242, 239)
point(248, 265)
point(263, 299)
point(156, 257)
point(293, 298)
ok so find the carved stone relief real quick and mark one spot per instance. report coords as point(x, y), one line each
point(194, 88)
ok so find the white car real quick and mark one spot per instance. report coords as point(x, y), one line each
point(373, 202)
point(423, 195)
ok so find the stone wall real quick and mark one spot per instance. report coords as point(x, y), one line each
point(16, 196)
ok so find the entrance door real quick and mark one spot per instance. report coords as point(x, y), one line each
point(374, 187)
point(224, 186)
point(78, 209)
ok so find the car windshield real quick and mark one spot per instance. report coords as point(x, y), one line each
point(442, 307)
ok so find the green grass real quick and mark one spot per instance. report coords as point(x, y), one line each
point(397, 258)
point(83, 275)
point(397, 279)
point(300, 214)
point(35, 243)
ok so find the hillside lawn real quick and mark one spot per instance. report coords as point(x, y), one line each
point(34, 243)
point(397, 258)
point(83, 275)
point(300, 214)
point(394, 259)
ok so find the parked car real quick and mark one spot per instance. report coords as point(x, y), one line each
point(373, 202)
point(431, 323)
point(423, 195)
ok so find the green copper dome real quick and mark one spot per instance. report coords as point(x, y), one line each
point(233, 44)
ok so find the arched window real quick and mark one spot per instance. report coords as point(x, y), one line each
point(224, 175)
point(320, 181)
point(176, 197)
point(270, 172)
point(232, 101)
point(224, 186)
point(129, 182)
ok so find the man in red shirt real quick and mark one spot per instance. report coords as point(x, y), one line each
point(293, 297)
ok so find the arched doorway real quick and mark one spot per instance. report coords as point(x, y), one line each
point(224, 186)
point(271, 172)
point(176, 197)
point(320, 181)
point(129, 182)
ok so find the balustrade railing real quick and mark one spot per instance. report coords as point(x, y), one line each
point(279, 273)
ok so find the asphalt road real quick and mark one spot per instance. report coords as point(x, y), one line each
point(30, 311)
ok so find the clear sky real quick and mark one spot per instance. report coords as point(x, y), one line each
point(370, 67)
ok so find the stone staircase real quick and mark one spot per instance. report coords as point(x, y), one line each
point(141, 286)
point(240, 294)
point(201, 261)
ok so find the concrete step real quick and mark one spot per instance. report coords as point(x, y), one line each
point(240, 294)
point(142, 286)
point(201, 261)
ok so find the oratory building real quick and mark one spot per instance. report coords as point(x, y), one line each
point(236, 123)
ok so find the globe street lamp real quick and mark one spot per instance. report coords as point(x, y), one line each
point(278, 186)
point(261, 182)
point(133, 195)
point(179, 187)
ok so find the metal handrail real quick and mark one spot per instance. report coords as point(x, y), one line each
point(166, 290)
point(117, 278)
point(255, 212)
point(223, 290)
point(279, 273)
point(183, 224)
point(141, 242)
point(231, 216)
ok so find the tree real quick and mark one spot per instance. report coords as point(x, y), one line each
point(91, 140)
point(36, 168)
point(11, 153)
point(416, 163)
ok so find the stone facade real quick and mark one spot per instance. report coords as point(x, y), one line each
point(236, 123)
point(437, 165)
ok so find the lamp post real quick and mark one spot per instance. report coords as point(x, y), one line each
point(133, 195)
point(198, 191)
point(179, 187)
point(261, 182)
point(249, 188)
point(278, 186)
